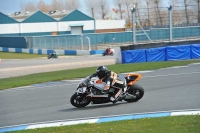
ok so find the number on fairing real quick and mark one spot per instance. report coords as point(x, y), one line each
point(81, 90)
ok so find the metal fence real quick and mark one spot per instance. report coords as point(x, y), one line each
point(60, 42)
point(165, 24)
point(151, 25)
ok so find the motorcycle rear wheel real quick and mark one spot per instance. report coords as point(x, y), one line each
point(137, 91)
point(79, 100)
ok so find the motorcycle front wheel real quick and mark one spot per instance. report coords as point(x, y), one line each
point(79, 100)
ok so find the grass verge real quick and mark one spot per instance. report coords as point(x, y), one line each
point(83, 72)
point(175, 124)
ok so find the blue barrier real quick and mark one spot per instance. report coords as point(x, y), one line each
point(156, 54)
point(131, 56)
point(168, 53)
point(178, 52)
point(195, 51)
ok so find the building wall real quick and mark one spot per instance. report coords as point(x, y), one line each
point(64, 27)
point(110, 24)
point(110, 30)
point(38, 27)
point(8, 29)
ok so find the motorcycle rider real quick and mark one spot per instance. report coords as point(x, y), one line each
point(54, 52)
point(110, 78)
point(108, 50)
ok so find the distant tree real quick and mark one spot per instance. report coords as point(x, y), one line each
point(30, 6)
point(198, 3)
point(92, 7)
point(198, 9)
point(138, 5)
point(128, 6)
point(70, 5)
point(43, 7)
point(120, 4)
point(55, 5)
point(103, 5)
point(157, 9)
point(148, 4)
point(186, 11)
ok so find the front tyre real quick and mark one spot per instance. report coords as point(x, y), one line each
point(137, 91)
point(79, 100)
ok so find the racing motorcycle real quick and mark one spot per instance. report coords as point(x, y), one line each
point(108, 53)
point(90, 91)
point(55, 55)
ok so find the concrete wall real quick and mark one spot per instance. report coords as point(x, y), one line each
point(110, 24)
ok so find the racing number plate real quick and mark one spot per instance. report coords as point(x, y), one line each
point(81, 90)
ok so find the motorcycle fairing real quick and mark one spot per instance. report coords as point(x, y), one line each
point(132, 78)
point(99, 84)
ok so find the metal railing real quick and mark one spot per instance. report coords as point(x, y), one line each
point(59, 42)
point(165, 24)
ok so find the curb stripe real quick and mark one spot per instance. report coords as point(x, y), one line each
point(13, 129)
point(117, 118)
point(151, 115)
point(100, 120)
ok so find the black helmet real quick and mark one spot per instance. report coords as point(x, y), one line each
point(101, 71)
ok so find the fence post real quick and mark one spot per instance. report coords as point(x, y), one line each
point(45, 43)
point(81, 43)
point(65, 42)
point(89, 43)
point(170, 23)
point(133, 24)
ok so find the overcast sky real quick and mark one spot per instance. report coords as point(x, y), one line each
point(11, 6)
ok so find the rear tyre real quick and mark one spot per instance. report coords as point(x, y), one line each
point(137, 91)
point(79, 100)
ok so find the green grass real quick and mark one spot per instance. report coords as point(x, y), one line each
point(12, 55)
point(175, 124)
point(83, 72)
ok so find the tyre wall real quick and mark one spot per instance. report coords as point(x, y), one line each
point(168, 53)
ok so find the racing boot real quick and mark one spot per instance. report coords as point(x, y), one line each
point(119, 96)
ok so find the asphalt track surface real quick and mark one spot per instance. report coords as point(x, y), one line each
point(14, 68)
point(175, 88)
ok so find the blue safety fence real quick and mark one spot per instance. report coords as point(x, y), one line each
point(168, 53)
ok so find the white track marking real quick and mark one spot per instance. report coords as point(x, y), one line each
point(35, 87)
point(138, 72)
point(175, 67)
point(171, 75)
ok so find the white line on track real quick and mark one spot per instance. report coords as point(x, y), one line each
point(34, 87)
point(171, 75)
